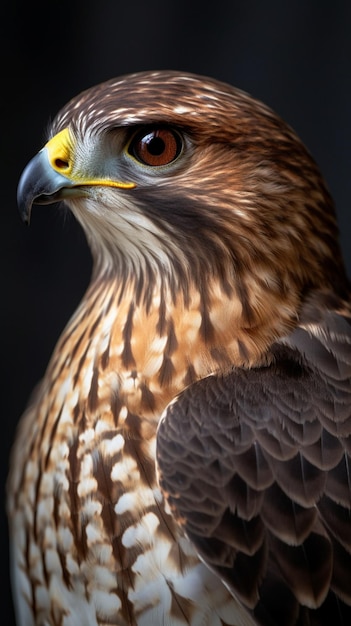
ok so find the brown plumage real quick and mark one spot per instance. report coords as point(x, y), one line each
point(186, 458)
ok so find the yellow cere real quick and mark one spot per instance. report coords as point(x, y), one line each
point(59, 150)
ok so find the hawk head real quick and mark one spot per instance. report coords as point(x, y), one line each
point(182, 177)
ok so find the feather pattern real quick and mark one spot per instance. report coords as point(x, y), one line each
point(269, 485)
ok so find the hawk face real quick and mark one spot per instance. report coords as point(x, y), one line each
point(193, 176)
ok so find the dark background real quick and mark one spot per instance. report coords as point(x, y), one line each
point(295, 56)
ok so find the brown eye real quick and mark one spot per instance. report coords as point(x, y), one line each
point(158, 146)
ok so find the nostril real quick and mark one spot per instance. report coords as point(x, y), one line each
point(61, 164)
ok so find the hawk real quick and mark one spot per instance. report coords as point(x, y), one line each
point(186, 457)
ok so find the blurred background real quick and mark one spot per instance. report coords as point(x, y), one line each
point(295, 56)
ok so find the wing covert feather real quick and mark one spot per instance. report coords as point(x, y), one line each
point(256, 466)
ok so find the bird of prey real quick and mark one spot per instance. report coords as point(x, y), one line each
point(186, 457)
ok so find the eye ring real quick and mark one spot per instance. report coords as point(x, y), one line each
point(156, 147)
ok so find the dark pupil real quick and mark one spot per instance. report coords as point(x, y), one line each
point(155, 146)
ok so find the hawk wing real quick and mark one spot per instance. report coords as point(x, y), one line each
point(256, 466)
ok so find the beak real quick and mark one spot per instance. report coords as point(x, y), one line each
point(40, 184)
point(49, 176)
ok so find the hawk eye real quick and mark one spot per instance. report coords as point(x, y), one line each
point(155, 147)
